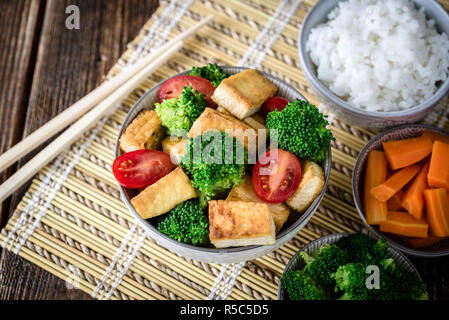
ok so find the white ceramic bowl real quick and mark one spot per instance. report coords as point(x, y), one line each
point(210, 254)
point(369, 119)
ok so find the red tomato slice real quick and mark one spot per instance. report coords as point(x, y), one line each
point(141, 168)
point(276, 176)
point(172, 88)
point(272, 104)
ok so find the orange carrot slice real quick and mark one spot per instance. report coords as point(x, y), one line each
point(394, 203)
point(396, 182)
point(417, 243)
point(435, 136)
point(403, 224)
point(402, 153)
point(413, 200)
point(437, 209)
point(375, 174)
point(438, 175)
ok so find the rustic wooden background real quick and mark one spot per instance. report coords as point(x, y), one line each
point(44, 68)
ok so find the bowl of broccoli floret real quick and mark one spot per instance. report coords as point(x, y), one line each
point(350, 266)
point(184, 229)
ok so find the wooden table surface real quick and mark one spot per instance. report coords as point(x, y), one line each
point(44, 68)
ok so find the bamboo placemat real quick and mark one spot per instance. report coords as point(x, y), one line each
point(72, 222)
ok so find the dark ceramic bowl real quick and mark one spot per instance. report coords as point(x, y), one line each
point(297, 263)
point(210, 254)
point(403, 132)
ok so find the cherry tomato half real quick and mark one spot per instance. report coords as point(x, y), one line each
point(172, 88)
point(276, 176)
point(141, 168)
point(272, 104)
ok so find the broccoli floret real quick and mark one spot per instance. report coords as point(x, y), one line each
point(361, 248)
point(356, 245)
point(341, 270)
point(351, 280)
point(186, 223)
point(210, 72)
point(300, 286)
point(324, 264)
point(350, 276)
point(388, 265)
point(215, 163)
point(401, 285)
point(178, 115)
point(394, 283)
point(301, 130)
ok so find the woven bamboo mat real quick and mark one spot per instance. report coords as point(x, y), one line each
point(72, 222)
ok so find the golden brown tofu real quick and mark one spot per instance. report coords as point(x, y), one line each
point(242, 94)
point(211, 119)
point(144, 132)
point(245, 192)
point(240, 223)
point(310, 187)
point(223, 110)
point(164, 194)
point(256, 121)
point(175, 147)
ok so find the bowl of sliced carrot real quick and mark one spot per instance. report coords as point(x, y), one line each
point(400, 187)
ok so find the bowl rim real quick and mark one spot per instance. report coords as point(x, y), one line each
point(300, 222)
point(325, 91)
point(358, 201)
point(339, 236)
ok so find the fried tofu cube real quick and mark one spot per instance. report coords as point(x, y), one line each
point(245, 192)
point(163, 195)
point(256, 121)
point(242, 94)
point(144, 132)
point(240, 223)
point(310, 187)
point(211, 119)
point(175, 147)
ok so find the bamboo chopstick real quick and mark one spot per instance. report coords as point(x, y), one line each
point(87, 102)
point(93, 116)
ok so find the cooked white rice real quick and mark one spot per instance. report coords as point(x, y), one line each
point(380, 55)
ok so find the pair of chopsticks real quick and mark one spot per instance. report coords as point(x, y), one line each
point(105, 98)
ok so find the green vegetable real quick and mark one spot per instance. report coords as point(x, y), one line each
point(186, 223)
point(401, 285)
point(210, 72)
point(178, 115)
point(363, 249)
point(301, 130)
point(395, 284)
point(340, 271)
point(215, 163)
point(351, 279)
point(324, 264)
point(350, 276)
point(300, 286)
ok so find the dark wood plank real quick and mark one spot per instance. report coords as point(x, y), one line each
point(20, 24)
point(435, 272)
point(69, 64)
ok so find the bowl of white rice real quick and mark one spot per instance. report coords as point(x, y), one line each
point(377, 63)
